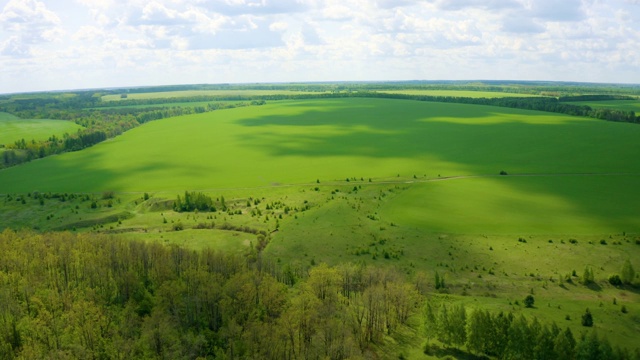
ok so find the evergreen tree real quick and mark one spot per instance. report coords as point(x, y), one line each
point(588, 347)
point(520, 342)
point(430, 323)
point(544, 344)
point(458, 322)
point(500, 334)
point(529, 301)
point(627, 274)
point(587, 318)
point(564, 345)
point(587, 275)
point(444, 326)
point(478, 330)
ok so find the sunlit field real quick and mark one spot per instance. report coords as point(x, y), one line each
point(13, 129)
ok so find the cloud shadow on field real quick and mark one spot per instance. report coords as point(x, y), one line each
point(83, 171)
point(478, 140)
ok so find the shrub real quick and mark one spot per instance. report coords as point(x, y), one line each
point(178, 226)
point(108, 195)
point(615, 280)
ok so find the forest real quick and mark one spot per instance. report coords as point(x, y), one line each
point(92, 296)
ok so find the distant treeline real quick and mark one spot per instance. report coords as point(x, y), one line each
point(66, 295)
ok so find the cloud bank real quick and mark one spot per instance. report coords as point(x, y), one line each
point(65, 44)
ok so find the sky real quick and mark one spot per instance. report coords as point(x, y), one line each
point(78, 44)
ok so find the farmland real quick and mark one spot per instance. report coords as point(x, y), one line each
point(504, 202)
point(331, 140)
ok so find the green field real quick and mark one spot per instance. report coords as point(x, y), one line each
point(13, 128)
point(626, 105)
point(330, 140)
point(191, 93)
point(457, 93)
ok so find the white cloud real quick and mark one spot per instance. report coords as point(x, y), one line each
point(52, 44)
point(28, 22)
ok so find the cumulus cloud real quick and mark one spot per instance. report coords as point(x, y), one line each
point(164, 41)
point(28, 22)
point(256, 7)
point(553, 10)
point(479, 4)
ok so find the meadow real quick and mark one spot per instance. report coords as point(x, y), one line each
point(411, 185)
point(13, 128)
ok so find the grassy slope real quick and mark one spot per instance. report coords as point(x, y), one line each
point(13, 128)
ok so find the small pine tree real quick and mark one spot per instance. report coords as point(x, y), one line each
point(528, 301)
point(587, 276)
point(627, 274)
point(439, 281)
point(587, 318)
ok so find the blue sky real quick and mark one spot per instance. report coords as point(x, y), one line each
point(71, 44)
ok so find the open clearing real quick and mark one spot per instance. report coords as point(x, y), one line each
point(13, 128)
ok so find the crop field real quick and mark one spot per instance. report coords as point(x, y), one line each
point(626, 105)
point(191, 93)
point(13, 128)
point(331, 140)
point(457, 93)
